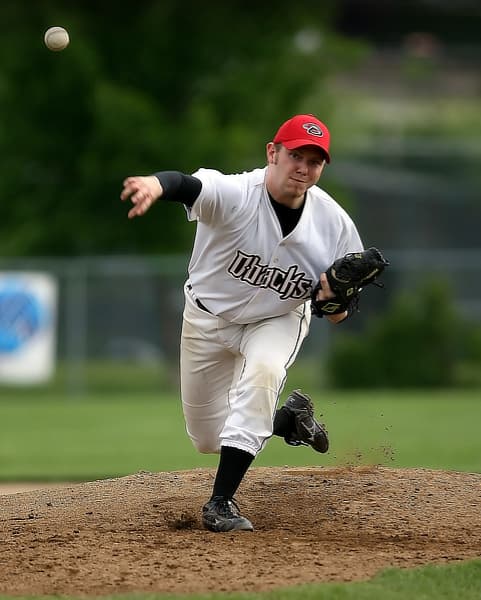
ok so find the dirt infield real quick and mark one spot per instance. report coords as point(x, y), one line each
point(142, 533)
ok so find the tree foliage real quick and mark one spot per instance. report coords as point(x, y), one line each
point(421, 341)
point(144, 86)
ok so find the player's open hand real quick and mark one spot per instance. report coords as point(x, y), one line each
point(143, 192)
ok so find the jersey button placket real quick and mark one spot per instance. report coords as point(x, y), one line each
point(275, 258)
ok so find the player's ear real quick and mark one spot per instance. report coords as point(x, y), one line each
point(271, 153)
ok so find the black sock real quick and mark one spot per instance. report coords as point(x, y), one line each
point(284, 422)
point(232, 467)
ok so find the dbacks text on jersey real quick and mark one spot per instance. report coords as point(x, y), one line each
point(292, 283)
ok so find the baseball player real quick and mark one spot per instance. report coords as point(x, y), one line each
point(264, 240)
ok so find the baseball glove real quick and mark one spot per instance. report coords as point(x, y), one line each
point(347, 276)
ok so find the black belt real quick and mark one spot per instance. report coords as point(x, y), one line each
point(198, 302)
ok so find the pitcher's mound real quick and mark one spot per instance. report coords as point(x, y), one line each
point(143, 533)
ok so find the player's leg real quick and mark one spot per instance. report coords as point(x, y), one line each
point(206, 372)
point(208, 367)
point(268, 348)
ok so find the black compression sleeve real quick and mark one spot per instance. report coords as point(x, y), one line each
point(179, 187)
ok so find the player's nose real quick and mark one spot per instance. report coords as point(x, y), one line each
point(302, 167)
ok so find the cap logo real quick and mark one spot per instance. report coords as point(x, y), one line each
point(313, 129)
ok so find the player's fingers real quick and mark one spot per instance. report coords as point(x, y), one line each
point(136, 211)
point(133, 212)
point(140, 208)
point(142, 192)
point(143, 195)
point(132, 186)
point(125, 194)
point(129, 188)
point(132, 181)
point(326, 288)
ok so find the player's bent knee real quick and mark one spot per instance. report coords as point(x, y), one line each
point(206, 446)
point(268, 374)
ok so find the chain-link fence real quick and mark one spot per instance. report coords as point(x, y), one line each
point(126, 311)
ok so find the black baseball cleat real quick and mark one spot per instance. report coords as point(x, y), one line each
point(222, 514)
point(308, 431)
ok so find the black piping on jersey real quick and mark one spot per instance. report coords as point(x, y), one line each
point(197, 301)
point(179, 187)
point(288, 217)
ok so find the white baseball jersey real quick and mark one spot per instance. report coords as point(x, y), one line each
point(242, 268)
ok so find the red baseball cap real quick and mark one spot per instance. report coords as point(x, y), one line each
point(304, 130)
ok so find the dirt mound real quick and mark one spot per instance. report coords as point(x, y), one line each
point(143, 533)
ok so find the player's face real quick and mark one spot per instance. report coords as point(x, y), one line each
point(293, 172)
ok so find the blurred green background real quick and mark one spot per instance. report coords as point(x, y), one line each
point(157, 85)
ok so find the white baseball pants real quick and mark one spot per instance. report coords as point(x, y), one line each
point(232, 375)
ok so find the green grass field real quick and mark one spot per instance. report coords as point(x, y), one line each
point(434, 582)
point(49, 437)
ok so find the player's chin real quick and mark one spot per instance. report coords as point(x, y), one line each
point(298, 187)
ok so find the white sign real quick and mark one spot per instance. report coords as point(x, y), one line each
point(28, 315)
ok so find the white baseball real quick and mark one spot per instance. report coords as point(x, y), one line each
point(56, 38)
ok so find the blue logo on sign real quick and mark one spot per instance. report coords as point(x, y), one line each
point(21, 317)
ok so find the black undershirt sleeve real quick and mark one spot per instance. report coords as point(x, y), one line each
point(179, 187)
